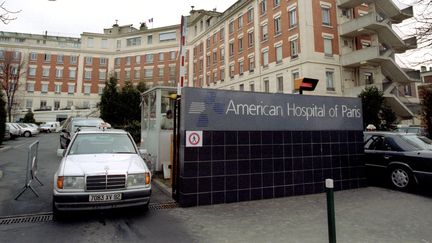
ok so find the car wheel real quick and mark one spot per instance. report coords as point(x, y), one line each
point(27, 134)
point(401, 178)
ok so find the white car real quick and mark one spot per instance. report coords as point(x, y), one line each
point(14, 129)
point(101, 169)
point(28, 130)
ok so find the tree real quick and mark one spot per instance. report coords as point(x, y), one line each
point(425, 92)
point(29, 117)
point(421, 28)
point(130, 99)
point(5, 14)
point(375, 111)
point(142, 87)
point(109, 105)
point(2, 118)
point(11, 68)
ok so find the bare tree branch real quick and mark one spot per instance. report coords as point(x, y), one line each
point(6, 15)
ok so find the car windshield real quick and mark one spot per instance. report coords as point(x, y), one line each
point(419, 141)
point(86, 123)
point(100, 143)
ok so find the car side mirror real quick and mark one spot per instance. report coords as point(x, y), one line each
point(64, 130)
point(61, 152)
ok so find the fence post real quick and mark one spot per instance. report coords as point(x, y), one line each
point(330, 210)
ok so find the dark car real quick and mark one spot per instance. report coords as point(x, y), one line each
point(405, 159)
point(72, 124)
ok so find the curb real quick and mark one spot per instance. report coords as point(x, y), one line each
point(165, 189)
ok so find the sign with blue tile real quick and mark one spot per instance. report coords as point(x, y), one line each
point(221, 110)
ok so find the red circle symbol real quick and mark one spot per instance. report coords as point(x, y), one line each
point(194, 138)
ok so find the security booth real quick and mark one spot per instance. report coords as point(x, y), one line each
point(157, 127)
point(237, 146)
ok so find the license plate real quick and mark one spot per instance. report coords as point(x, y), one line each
point(105, 197)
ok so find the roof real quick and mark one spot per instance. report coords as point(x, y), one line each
point(90, 130)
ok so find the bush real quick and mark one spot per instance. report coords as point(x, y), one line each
point(134, 128)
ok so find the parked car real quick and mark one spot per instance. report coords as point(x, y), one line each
point(72, 124)
point(28, 130)
point(14, 129)
point(49, 127)
point(7, 134)
point(412, 129)
point(404, 159)
point(101, 169)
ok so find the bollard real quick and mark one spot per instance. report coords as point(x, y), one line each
point(330, 211)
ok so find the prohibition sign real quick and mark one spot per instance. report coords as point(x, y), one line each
point(194, 138)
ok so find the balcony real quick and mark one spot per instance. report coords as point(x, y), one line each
point(385, 7)
point(373, 57)
point(372, 23)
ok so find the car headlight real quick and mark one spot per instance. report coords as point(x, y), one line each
point(142, 179)
point(70, 182)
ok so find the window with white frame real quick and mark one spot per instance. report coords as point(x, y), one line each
point(118, 44)
point(16, 55)
point(240, 44)
point(330, 80)
point(277, 25)
point(32, 71)
point(264, 32)
point(45, 71)
point(29, 104)
point(137, 59)
point(231, 67)
point(250, 15)
point(278, 50)
point(265, 58)
point(30, 87)
point(266, 86)
point(72, 73)
point(295, 75)
point(222, 34)
point(57, 88)
point(148, 73)
point(222, 74)
point(251, 39)
point(71, 88)
point(241, 87)
point(90, 42)
point(328, 46)
point(73, 59)
point(104, 43)
point(44, 88)
point(214, 57)
point(251, 63)
point(69, 104)
point(161, 56)
point(128, 61)
point(47, 58)
point(294, 48)
point(231, 27)
point(222, 54)
point(149, 58)
point(89, 60)
point(33, 56)
point(87, 74)
point(252, 87)
point(100, 90)
point(56, 104)
point(43, 104)
point(241, 67)
point(172, 71)
point(368, 78)
point(59, 59)
point(161, 72)
point(240, 22)
point(127, 74)
point(276, 3)
point(59, 73)
point(280, 86)
point(173, 55)
point(117, 61)
point(231, 49)
point(102, 75)
point(135, 41)
point(263, 6)
point(292, 17)
point(149, 39)
point(87, 89)
point(103, 61)
point(136, 74)
point(325, 11)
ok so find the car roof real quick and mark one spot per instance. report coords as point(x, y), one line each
point(88, 130)
point(387, 133)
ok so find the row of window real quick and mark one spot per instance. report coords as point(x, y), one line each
point(148, 73)
point(30, 88)
point(56, 105)
point(133, 41)
point(149, 58)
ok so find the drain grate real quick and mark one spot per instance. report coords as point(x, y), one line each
point(38, 218)
point(164, 205)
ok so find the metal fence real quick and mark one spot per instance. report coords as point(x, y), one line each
point(32, 169)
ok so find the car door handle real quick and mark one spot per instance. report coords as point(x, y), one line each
point(386, 157)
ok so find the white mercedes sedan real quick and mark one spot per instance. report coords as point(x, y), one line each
point(101, 169)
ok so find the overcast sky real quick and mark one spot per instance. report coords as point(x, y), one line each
point(72, 17)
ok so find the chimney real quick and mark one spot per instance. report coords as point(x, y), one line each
point(423, 68)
